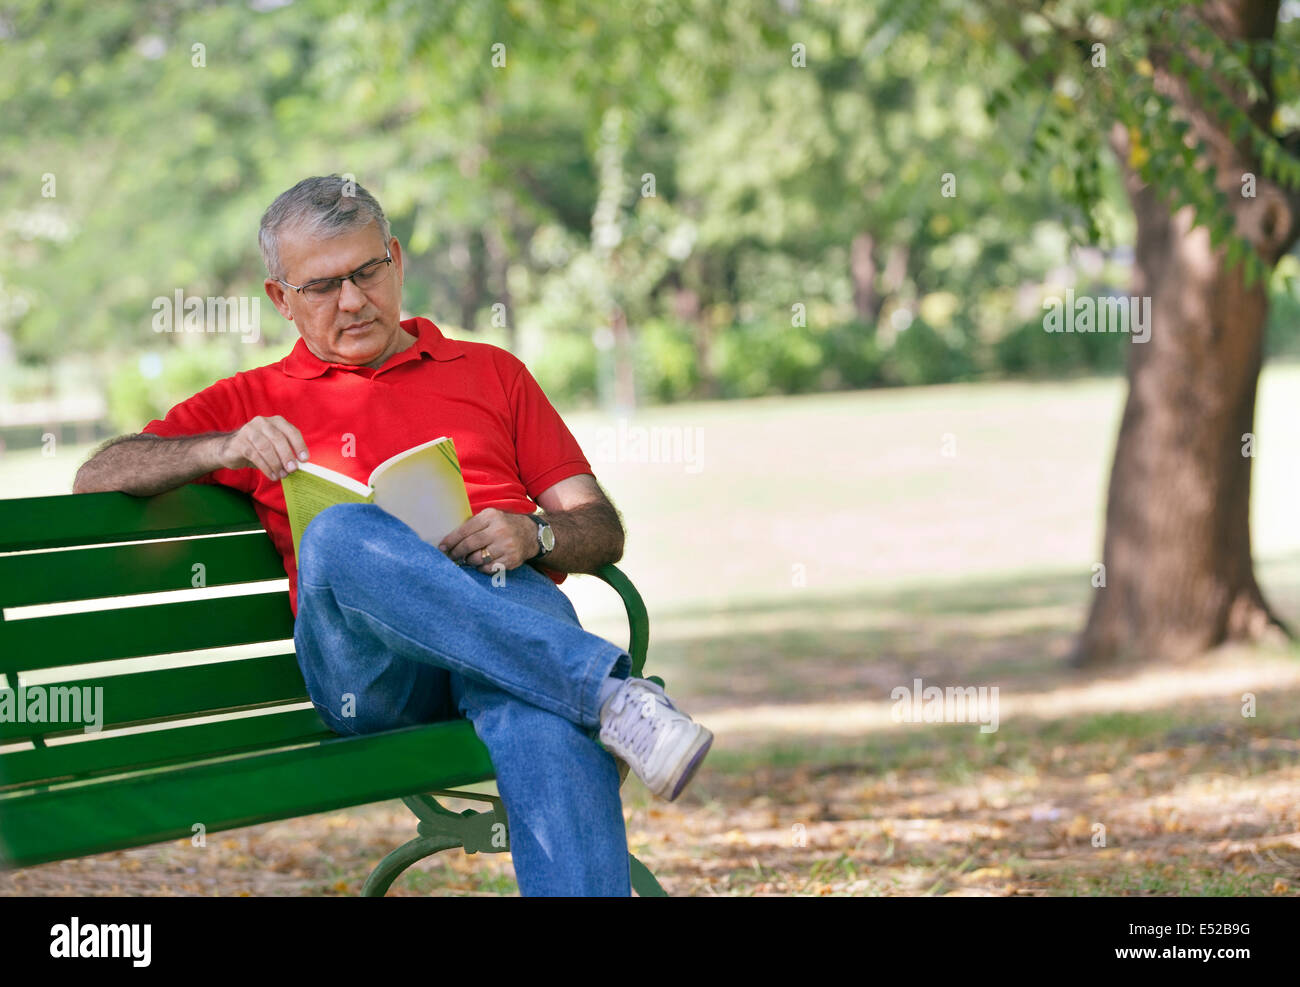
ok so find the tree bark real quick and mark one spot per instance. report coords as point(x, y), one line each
point(1179, 576)
point(686, 309)
point(862, 269)
point(499, 260)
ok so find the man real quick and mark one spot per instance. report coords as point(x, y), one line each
point(390, 630)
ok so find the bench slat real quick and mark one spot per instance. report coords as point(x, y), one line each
point(101, 518)
point(122, 570)
point(135, 632)
point(116, 813)
point(166, 693)
point(144, 750)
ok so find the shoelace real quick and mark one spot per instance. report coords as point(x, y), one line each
point(631, 726)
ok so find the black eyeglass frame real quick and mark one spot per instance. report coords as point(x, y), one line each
point(388, 259)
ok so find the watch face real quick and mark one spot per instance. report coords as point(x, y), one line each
point(548, 538)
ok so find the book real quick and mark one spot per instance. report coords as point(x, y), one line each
point(421, 486)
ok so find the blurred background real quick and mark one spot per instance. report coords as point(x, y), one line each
point(782, 266)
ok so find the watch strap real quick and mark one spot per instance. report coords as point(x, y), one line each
point(541, 549)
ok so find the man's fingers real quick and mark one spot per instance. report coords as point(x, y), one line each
point(286, 440)
point(267, 463)
point(453, 539)
point(297, 445)
point(246, 447)
point(287, 453)
point(467, 546)
point(270, 444)
point(486, 529)
point(478, 523)
point(274, 451)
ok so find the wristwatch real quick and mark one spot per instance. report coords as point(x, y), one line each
point(545, 538)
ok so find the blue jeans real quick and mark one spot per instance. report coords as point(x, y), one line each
point(385, 617)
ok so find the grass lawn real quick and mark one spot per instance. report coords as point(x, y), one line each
point(805, 558)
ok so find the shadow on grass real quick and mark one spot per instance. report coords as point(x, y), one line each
point(1014, 633)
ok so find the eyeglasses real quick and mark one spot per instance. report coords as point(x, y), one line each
point(326, 289)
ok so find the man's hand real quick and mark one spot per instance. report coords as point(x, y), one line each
point(588, 532)
point(492, 540)
point(146, 464)
point(271, 445)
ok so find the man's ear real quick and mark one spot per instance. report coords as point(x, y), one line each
point(275, 292)
point(395, 249)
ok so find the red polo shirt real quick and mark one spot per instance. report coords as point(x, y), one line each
point(512, 444)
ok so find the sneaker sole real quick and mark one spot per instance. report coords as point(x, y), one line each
point(701, 747)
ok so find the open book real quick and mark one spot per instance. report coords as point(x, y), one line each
point(421, 486)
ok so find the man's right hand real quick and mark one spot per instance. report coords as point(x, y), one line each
point(269, 444)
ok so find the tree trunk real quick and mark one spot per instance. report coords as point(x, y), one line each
point(624, 369)
point(1179, 576)
point(499, 260)
point(894, 276)
point(468, 259)
point(686, 309)
point(862, 269)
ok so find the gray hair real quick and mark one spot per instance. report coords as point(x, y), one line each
point(321, 207)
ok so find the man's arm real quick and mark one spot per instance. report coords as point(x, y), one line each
point(144, 464)
point(588, 531)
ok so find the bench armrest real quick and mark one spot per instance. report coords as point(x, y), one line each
point(638, 622)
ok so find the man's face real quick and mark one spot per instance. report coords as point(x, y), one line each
point(327, 326)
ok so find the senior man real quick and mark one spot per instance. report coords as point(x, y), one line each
point(391, 630)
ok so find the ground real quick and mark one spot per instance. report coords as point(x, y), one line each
point(818, 554)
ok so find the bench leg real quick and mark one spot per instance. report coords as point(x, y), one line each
point(388, 869)
point(643, 882)
point(441, 829)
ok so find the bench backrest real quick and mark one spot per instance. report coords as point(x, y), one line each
point(111, 554)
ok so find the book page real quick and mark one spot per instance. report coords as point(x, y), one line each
point(423, 487)
point(307, 493)
point(378, 471)
point(335, 477)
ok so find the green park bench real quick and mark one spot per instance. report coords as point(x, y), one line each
point(66, 792)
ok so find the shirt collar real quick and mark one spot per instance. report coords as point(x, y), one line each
point(303, 363)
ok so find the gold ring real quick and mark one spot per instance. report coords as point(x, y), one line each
point(487, 556)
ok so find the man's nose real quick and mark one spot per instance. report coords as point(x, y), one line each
point(351, 297)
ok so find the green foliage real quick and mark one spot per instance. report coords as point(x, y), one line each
point(526, 176)
point(147, 388)
point(667, 366)
point(922, 354)
point(853, 357)
point(620, 163)
point(769, 358)
point(566, 370)
point(1082, 74)
point(1028, 350)
point(1282, 336)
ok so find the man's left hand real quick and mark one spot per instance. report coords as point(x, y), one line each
point(492, 540)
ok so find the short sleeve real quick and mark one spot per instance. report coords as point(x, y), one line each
point(545, 449)
point(216, 408)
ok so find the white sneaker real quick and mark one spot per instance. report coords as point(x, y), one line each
point(664, 746)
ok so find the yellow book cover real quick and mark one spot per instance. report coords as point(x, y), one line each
point(421, 486)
